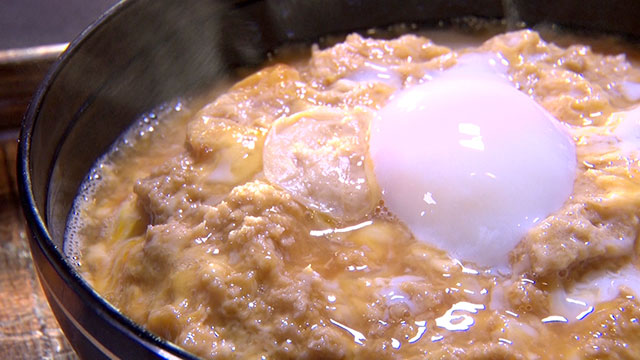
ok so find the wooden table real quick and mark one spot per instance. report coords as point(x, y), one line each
point(28, 329)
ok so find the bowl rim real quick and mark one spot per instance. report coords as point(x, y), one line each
point(37, 224)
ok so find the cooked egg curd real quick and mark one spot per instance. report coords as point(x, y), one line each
point(387, 199)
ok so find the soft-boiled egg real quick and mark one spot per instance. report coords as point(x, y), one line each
point(469, 162)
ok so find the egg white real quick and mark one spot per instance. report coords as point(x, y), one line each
point(470, 163)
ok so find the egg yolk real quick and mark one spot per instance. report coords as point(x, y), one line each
point(470, 163)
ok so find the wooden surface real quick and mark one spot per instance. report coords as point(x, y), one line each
point(21, 71)
point(28, 329)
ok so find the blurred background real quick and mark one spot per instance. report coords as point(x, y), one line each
point(32, 35)
point(26, 23)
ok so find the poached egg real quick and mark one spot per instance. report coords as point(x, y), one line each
point(469, 162)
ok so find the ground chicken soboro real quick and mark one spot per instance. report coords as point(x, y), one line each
point(185, 234)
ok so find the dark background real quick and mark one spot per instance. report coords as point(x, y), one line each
point(26, 23)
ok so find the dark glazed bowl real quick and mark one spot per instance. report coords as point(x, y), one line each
point(142, 53)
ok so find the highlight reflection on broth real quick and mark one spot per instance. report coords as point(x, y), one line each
point(382, 199)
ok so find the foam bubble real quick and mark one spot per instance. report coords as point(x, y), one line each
point(141, 128)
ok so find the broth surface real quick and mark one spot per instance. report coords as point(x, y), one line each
point(198, 228)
